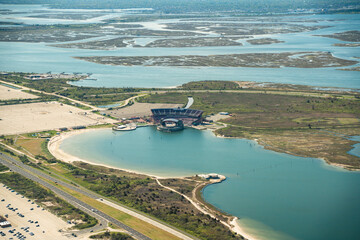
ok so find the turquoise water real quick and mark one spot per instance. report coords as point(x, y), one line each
point(274, 195)
point(356, 147)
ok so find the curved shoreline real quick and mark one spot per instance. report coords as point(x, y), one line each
point(233, 223)
point(54, 149)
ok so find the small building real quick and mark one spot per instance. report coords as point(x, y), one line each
point(4, 223)
point(188, 116)
point(223, 113)
point(210, 176)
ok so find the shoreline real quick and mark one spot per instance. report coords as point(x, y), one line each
point(233, 221)
point(54, 149)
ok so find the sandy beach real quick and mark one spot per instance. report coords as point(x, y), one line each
point(238, 229)
point(54, 149)
point(55, 142)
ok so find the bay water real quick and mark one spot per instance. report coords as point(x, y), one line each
point(275, 195)
point(42, 57)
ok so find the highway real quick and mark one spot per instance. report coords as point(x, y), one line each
point(31, 173)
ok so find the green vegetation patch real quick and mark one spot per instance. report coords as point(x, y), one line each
point(3, 168)
point(244, 102)
point(181, 185)
point(144, 194)
point(169, 97)
point(95, 96)
point(210, 85)
point(112, 236)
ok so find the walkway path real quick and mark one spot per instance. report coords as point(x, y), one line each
point(199, 207)
point(190, 102)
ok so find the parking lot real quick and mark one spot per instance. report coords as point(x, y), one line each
point(28, 220)
point(7, 93)
point(35, 117)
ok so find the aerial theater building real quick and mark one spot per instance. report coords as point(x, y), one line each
point(175, 118)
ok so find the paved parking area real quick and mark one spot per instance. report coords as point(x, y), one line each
point(34, 117)
point(41, 223)
point(7, 93)
point(138, 109)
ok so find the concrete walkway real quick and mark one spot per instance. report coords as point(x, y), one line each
point(190, 102)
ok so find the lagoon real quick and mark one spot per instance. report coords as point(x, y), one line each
point(275, 195)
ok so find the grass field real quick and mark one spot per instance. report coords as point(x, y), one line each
point(144, 194)
point(112, 236)
point(33, 145)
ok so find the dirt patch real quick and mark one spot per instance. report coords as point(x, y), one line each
point(23, 118)
point(138, 110)
point(33, 145)
point(7, 93)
